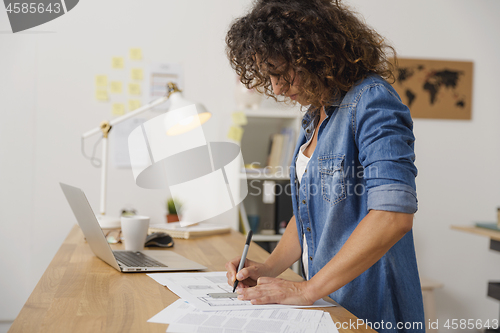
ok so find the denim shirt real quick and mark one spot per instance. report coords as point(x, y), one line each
point(363, 160)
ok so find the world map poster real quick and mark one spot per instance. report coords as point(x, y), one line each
point(435, 89)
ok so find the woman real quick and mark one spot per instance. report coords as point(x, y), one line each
point(353, 172)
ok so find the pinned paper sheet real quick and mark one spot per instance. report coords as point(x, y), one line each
point(117, 62)
point(137, 74)
point(118, 109)
point(158, 77)
point(101, 81)
point(135, 54)
point(115, 87)
point(134, 89)
point(235, 133)
point(101, 95)
point(133, 104)
point(239, 118)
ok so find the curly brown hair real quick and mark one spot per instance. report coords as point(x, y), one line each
point(322, 41)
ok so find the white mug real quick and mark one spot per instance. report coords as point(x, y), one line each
point(135, 231)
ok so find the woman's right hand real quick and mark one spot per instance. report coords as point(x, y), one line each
point(248, 275)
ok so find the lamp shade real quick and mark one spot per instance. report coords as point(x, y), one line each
point(180, 118)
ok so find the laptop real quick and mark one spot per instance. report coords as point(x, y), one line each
point(124, 261)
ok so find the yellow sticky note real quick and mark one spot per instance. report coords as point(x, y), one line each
point(134, 89)
point(133, 104)
point(117, 62)
point(135, 54)
point(115, 87)
point(137, 74)
point(118, 109)
point(101, 81)
point(101, 95)
point(235, 133)
point(239, 118)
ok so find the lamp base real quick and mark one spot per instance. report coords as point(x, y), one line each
point(109, 222)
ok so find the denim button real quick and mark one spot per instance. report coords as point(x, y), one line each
point(305, 170)
point(308, 229)
point(304, 202)
point(311, 258)
point(308, 130)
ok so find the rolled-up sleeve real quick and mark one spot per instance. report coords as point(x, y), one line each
point(383, 131)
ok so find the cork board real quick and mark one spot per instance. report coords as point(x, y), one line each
point(435, 89)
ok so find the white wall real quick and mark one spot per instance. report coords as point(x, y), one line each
point(47, 101)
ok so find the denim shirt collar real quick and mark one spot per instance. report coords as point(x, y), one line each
point(309, 123)
point(310, 119)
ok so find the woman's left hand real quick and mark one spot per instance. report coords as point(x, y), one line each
point(278, 291)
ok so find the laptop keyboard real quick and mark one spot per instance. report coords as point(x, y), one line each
point(136, 259)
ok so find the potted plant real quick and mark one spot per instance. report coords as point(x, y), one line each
point(173, 210)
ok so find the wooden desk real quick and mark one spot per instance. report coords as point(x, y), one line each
point(80, 293)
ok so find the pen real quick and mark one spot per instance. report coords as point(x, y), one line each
point(243, 257)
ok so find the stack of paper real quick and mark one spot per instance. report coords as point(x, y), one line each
point(175, 229)
point(196, 311)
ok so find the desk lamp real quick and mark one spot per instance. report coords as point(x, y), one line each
point(175, 123)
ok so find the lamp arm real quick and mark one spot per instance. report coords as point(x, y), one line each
point(127, 116)
point(106, 126)
point(171, 88)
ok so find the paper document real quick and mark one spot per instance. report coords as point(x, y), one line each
point(195, 287)
point(183, 317)
point(326, 325)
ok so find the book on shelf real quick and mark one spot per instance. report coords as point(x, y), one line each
point(199, 230)
point(274, 158)
point(281, 148)
point(488, 225)
point(288, 146)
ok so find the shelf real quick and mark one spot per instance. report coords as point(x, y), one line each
point(266, 238)
point(495, 235)
point(256, 237)
point(256, 142)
